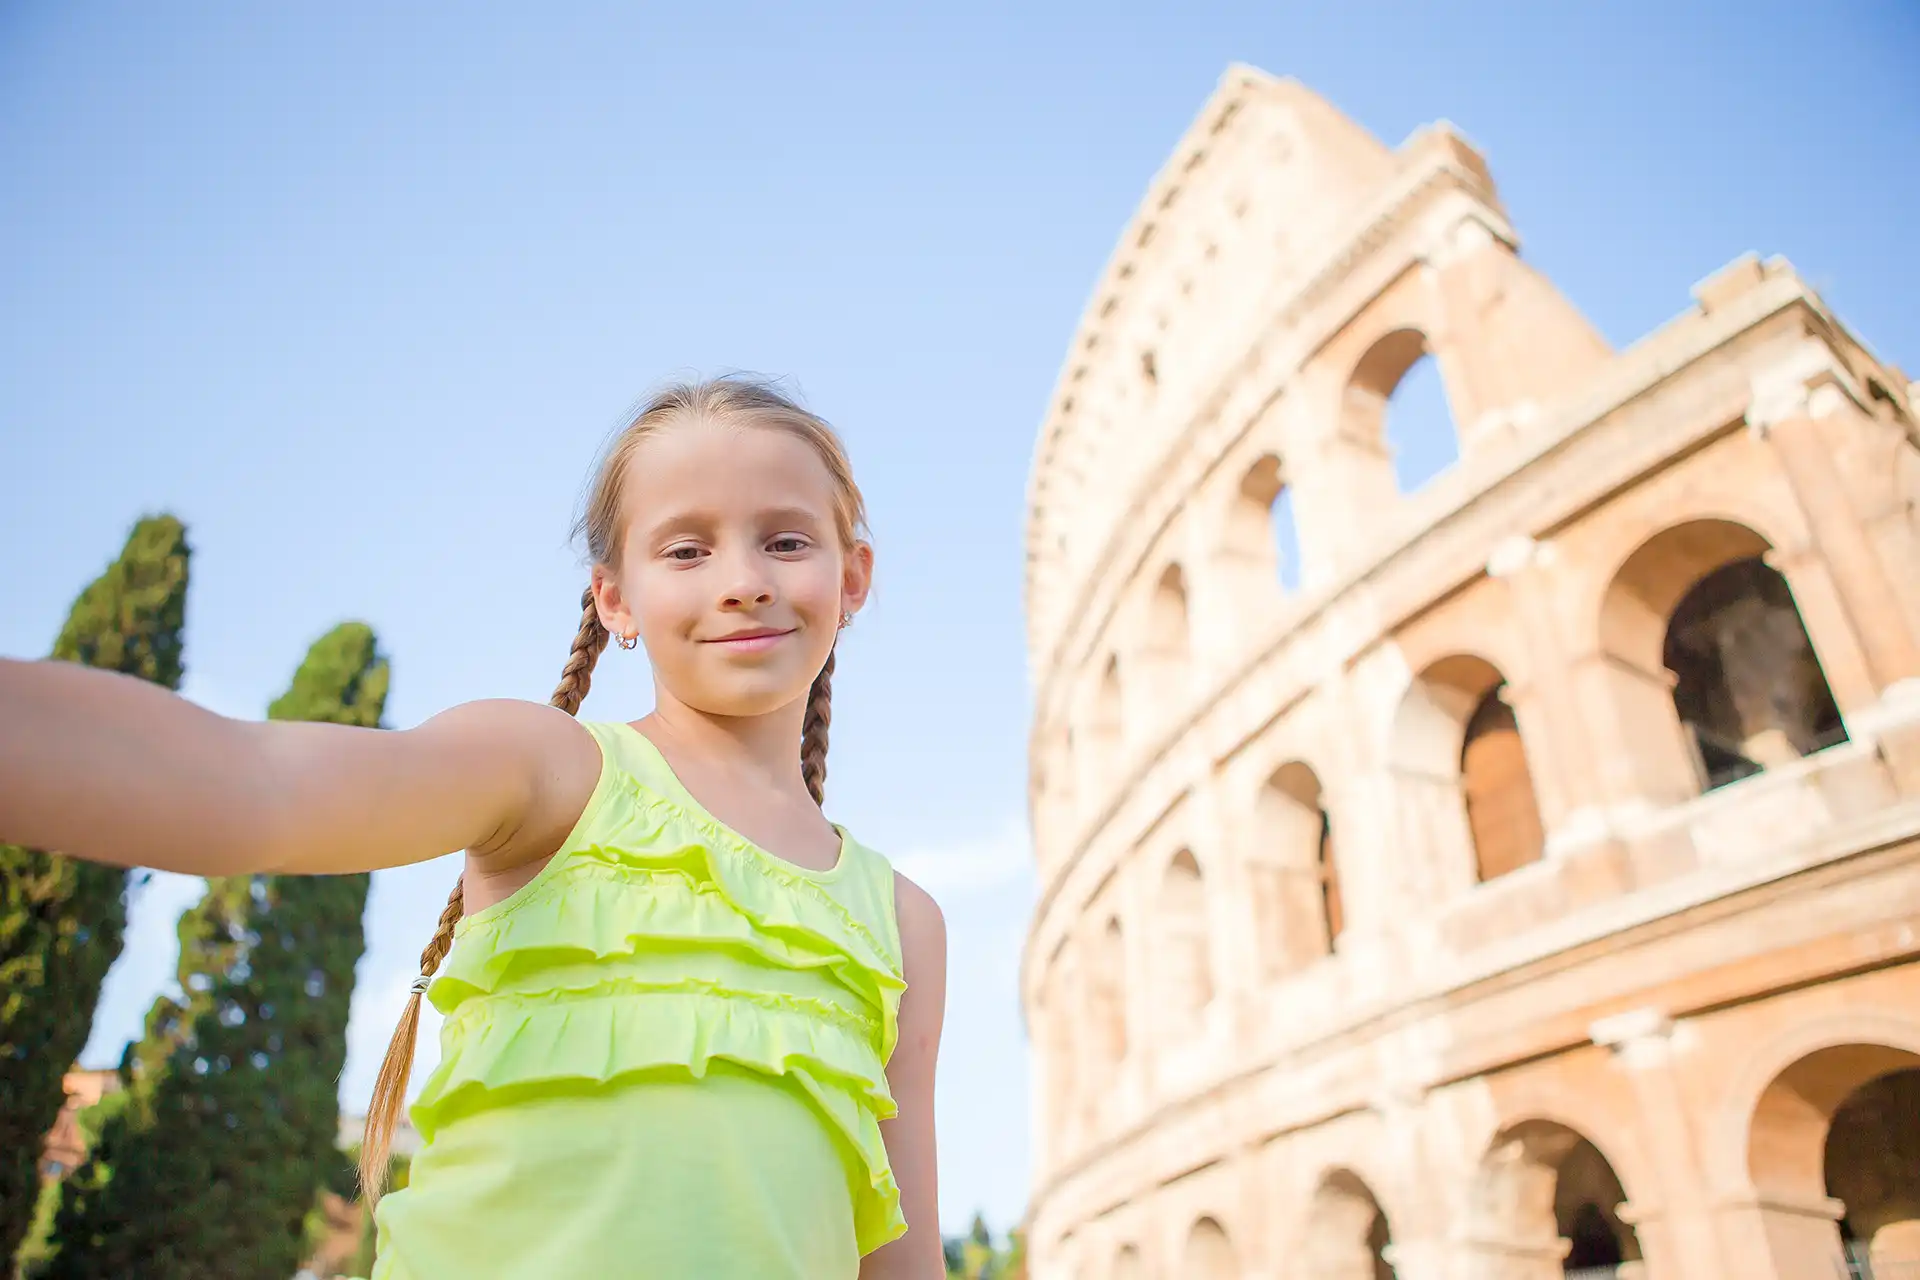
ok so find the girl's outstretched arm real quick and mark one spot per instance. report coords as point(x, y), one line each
point(909, 1136)
point(113, 769)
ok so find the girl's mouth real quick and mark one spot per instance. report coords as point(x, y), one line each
point(751, 639)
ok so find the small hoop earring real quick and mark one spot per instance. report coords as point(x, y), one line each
point(626, 641)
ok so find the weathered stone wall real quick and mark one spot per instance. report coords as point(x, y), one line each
point(1459, 914)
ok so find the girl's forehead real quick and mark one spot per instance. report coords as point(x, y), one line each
point(708, 465)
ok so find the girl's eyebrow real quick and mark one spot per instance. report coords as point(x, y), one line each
point(790, 515)
point(697, 521)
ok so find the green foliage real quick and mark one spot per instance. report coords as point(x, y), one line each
point(93, 1120)
point(61, 921)
point(974, 1256)
point(212, 1168)
point(32, 1258)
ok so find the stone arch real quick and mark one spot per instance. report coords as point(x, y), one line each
point(1209, 1253)
point(1259, 536)
point(1107, 984)
point(1053, 789)
point(1295, 880)
point(1346, 1235)
point(1167, 614)
point(1184, 963)
point(1546, 1200)
point(1833, 1156)
point(1462, 770)
point(1167, 654)
point(1059, 1011)
point(1711, 666)
point(1401, 357)
point(1103, 732)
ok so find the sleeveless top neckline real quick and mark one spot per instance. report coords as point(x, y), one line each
point(657, 939)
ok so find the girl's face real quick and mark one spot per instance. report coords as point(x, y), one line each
point(731, 568)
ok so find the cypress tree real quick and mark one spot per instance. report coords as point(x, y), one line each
point(62, 921)
point(213, 1167)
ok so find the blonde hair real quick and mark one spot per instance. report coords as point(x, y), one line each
point(601, 526)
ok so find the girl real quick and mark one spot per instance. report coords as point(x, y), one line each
point(690, 1025)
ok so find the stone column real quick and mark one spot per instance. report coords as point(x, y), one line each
point(1784, 410)
point(1770, 1237)
point(1895, 1246)
point(1636, 748)
point(1559, 742)
point(1830, 629)
point(1228, 944)
point(1486, 1258)
point(1672, 1219)
point(1342, 484)
point(1423, 1259)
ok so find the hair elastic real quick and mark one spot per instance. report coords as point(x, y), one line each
point(421, 983)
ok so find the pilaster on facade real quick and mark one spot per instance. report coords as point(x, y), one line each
point(1412, 918)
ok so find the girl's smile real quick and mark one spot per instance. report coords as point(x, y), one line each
point(751, 639)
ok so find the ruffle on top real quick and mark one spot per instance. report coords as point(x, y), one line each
point(658, 939)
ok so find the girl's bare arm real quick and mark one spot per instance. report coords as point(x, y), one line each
point(113, 769)
point(911, 1148)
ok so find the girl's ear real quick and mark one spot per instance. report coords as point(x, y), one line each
point(615, 616)
point(856, 579)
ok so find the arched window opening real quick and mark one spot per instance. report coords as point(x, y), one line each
point(1419, 427)
point(1332, 913)
point(1587, 1196)
point(1546, 1195)
point(1397, 401)
point(1260, 543)
point(1247, 535)
point(1294, 879)
point(1184, 963)
point(1109, 984)
point(1105, 728)
point(1871, 1163)
point(1167, 633)
point(1057, 1015)
point(1167, 656)
point(1592, 1246)
point(1059, 774)
point(1346, 1235)
point(1502, 813)
point(1209, 1253)
point(1747, 685)
point(1286, 538)
point(1842, 1123)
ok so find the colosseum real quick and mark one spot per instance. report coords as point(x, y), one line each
point(1527, 881)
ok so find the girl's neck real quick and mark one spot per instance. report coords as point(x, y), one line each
point(760, 750)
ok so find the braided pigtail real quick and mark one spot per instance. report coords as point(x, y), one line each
point(390, 1088)
point(813, 732)
point(602, 524)
point(588, 644)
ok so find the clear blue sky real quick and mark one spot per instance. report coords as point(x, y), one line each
point(358, 291)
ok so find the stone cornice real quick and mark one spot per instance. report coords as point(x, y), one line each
point(1164, 488)
point(1423, 165)
point(1463, 496)
point(1875, 843)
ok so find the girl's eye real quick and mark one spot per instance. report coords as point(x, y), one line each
point(787, 546)
point(682, 553)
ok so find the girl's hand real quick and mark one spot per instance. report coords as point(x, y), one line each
point(113, 769)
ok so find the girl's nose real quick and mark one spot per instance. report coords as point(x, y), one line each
point(747, 582)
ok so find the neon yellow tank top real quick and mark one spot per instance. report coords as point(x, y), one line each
point(664, 1056)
